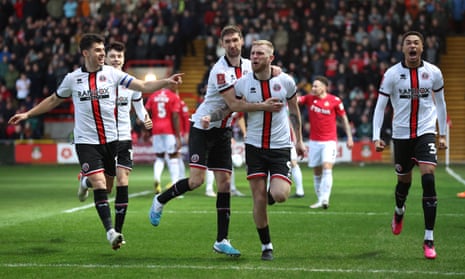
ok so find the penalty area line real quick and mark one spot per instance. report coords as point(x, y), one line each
point(143, 193)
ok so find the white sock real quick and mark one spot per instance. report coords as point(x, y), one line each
point(297, 177)
point(233, 182)
point(158, 167)
point(400, 211)
point(326, 184)
point(182, 169)
point(429, 235)
point(209, 181)
point(173, 166)
point(268, 246)
point(316, 185)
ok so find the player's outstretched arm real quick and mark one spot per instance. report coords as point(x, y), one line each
point(154, 85)
point(46, 105)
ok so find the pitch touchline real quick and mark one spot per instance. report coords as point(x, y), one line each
point(238, 267)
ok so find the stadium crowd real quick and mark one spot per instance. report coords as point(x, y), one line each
point(350, 42)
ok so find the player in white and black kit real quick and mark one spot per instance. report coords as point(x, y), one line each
point(210, 148)
point(416, 91)
point(268, 142)
point(93, 90)
point(124, 98)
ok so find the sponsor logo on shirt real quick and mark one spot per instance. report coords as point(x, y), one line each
point(122, 101)
point(414, 93)
point(319, 110)
point(101, 93)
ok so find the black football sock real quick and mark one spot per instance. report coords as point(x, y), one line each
point(223, 212)
point(177, 189)
point(401, 193)
point(264, 235)
point(121, 205)
point(103, 208)
point(429, 200)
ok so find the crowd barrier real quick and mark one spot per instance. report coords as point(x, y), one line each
point(50, 152)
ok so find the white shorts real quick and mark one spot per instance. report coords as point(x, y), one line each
point(164, 143)
point(321, 152)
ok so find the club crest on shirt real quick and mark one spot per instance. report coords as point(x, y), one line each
point(195, 158)
point(102, 78)
point(277, 87)
point(424, 76)
point(85, 167)
point(220, 79)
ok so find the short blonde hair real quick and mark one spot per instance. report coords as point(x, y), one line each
point(264, 42)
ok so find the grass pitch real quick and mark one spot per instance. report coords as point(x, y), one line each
point(46, 232)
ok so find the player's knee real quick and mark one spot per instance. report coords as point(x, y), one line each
point(280, 194)
point(280, 197)
point(195, 181)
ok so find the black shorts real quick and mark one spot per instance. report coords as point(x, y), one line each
point(97, 157)
point(210, 148)
point(410, 152)
point(124, 154)
point(261, 162)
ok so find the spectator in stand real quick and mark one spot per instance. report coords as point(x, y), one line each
point(10, 77)
point(3, 68)
point(331, 65)
point(281, 38)
point(23, 86)
point(70, 8)
point(432, 50)
point(9, 109)
point(364, 129)
point(37, 81)
point(188, 32)
point(105, 9)
point(210, 50)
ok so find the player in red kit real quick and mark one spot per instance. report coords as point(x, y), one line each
point(323, 108)
point(164, 106)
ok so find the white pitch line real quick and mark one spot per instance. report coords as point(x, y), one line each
point(455, 175)
point(110, 200)
point(235, 267)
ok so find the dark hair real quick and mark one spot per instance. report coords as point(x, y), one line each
point(228, 29)
point(415, 33)
point(87, 40)
point(118, 46)
point(322, 79)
